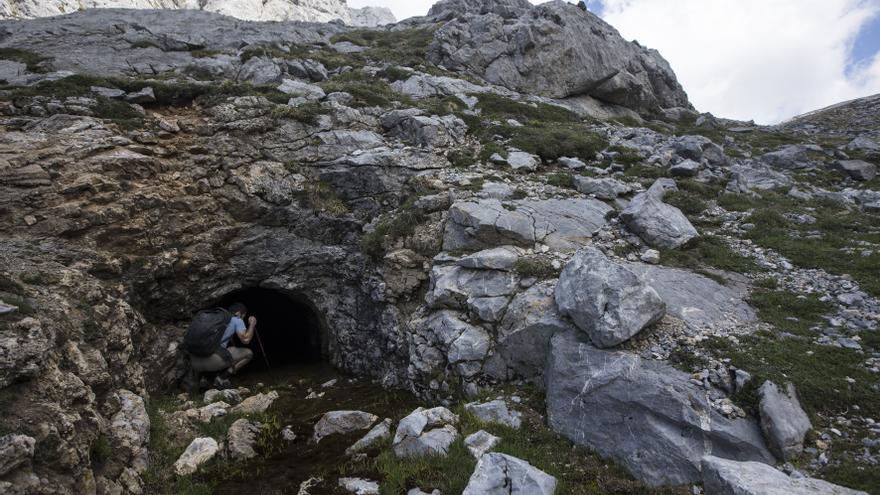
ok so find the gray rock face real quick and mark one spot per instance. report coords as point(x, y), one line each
point(372, 16)
point(604, 299)
point(783, 420)
point(448, 339)
point(342, 422)
point(645, 414)
point(523, 337)
point(857, 169)
point(562, 224)
point(726, 477)
point(686, 168)
point(15, 450)
point(657, 223)
point(522, 160)
point(421, 130)
point(301, 89)
point(495, 411)
point(456, 286)
point(241, 438)
point(752, 176)
point(553, 49)
point(425, 86)
point(697, 300)
point(502, 474)
point(425, 432)
point(607, 189)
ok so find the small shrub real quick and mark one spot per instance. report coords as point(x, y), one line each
point(33, 62)
point(100, 451)
point(400, 224)
point(551, 141)
point(536, 267)
point(561, 179)
point(462, 158)
point(321, 196)
point(307, 113)
point(708, 251)
point(500, 107)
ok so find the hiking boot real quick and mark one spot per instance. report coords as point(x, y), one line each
point(221, 382)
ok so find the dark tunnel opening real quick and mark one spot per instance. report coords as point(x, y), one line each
point(288, 330)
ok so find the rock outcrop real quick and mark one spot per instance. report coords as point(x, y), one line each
point(783, 420)
point(659, 224)
point(646, 415)
point(554, 49)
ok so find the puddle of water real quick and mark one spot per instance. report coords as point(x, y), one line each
point(283, 471)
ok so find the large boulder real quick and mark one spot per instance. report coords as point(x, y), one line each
point(657, 223)
point(425, 432)
point(857, 169)
point(562, 224)
point(502, 474)
point(553, 49)
point(783, 420)
point(646, 415)
point(606, 300)
point(727, 477)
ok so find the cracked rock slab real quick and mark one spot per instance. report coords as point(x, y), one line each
point(502, 474)
point(561, 224)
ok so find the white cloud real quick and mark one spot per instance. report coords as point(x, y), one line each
point(761, 59)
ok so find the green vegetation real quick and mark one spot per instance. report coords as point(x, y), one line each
point(788, 311)
point(405, 47)
point(537, 267)
point(561, 179)
point(396, 225)
point(33, 62)
point(367, 91)
point(462, 158)
point(692, 196)
point(320, 196)
point(100, 451)
point(500, 107)
point(553, 140)
point(204, 53)
point(708, 251)
point(307, 113)
point(833, 243)
point(625, 156)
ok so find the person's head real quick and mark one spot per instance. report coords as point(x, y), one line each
point(238, 309)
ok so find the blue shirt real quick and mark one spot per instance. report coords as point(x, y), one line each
point(236, 324)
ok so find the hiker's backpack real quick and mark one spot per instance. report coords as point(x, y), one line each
point(206, 331)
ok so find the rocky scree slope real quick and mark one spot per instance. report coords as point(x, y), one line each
point(250, 10)
point(456, 228)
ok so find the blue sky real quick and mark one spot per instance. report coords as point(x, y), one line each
point(766, 60)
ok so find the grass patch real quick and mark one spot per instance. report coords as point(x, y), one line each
point(307, 113)
point(500, 107)
point(34, 62)
point(399, 224)
point(708, 251)
point(553, 140)
point(788, 311)
point(462, 158)
point(561, 179)
point(645, 171)
point(852, 475)
point(320, 196)
point(536, 267)
point(625, 156)
point(367, 91)
point(406, 47)
point(834, 243)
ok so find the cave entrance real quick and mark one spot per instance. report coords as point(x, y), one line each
point(287, 326)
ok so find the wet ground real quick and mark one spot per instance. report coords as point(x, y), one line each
point(285, 465)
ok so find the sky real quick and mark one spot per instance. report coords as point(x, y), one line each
point(766, 60)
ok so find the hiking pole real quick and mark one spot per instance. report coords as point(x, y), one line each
point(262, 351)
